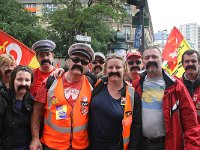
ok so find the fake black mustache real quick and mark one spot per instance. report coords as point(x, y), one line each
point(97, 66)
point(151, 63)
point(23, 87)
point(190, 67)
point(7, 71)
point(45, 61)
point(114, 73)
point(77, 67)
point(134, 67)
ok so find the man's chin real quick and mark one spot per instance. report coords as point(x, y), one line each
point(191, 71)
point(45, 65)
point(152, 70)
point(135, 71)
point(97, 71)
point(77, 72)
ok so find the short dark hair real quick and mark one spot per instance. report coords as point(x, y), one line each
point(190, 52)
point(152, 48)
point(15, 71)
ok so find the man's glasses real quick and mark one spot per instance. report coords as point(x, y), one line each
point(77, 60)
point(98, 61)
point(138, 62)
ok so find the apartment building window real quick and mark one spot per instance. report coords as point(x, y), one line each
point(48, 7)
point(31, 7)
point(127, 32)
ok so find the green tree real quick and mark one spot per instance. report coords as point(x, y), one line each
point(73, 17)
point(19, 23)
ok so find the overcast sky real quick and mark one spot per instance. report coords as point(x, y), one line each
point(166, 14)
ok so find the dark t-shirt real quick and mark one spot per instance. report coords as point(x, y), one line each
point(19, 104)
point(106, 118)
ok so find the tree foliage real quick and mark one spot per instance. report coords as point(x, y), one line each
point(73, 17)
point(19, 23)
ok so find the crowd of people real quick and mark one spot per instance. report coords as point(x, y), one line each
point(98, 102)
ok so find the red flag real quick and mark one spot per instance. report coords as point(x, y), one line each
point(175, 46)
point(22, 54)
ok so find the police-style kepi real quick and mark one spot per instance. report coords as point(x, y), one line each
point(83, 49)
point(43, 46)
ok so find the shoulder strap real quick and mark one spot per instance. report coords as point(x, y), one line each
point(99, 85)
point(49, 81)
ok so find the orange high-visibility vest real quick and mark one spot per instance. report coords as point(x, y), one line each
point(128, 114)
point(66, 126)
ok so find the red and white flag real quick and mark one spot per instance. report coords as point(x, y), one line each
point(174, 48)
point(22, 54)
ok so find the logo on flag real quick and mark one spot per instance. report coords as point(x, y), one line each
point(22, 54)
point(174, 48)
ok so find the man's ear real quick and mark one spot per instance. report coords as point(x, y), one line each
point(53, 54)
point(162, 59)
point(36, 55)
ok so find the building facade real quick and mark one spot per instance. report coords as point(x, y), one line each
point(191, 33)
point(160, 38)
point(38, 7)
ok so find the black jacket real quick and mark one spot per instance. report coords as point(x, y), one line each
point(15, 129)
point(2, 86)
point(191, 85)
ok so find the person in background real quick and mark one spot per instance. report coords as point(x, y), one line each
point(115, 110)
point(169, 118)
point(191, 77)
point(7, 64)
point(134, 60)
point(97, 64)
point(16, 105)
point(44, 53)
point(66, 103)
point(96, 67)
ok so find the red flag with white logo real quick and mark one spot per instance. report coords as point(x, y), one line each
point(22, 54)
point(175, 46)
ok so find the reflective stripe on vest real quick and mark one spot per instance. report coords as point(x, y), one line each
point(63, 129)
point(48, 120)
point(126, 140)
point(131, 92)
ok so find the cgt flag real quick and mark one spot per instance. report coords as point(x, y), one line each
point(174, 48)
point(22, 54)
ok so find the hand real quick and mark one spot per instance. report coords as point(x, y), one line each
point(35, 144)
point(58, 73)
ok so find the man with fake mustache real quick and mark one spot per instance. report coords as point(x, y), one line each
point(134, 60)
point(65, 105)
point(7, 64)
point(97, 64)
point(191, 77)
point(44, 53)
point(169, 118)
